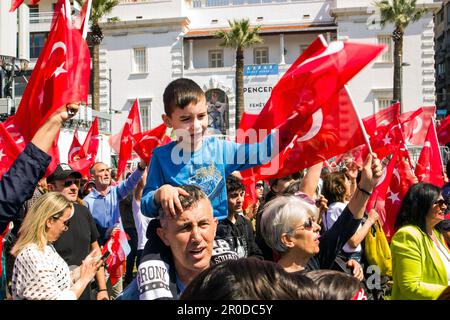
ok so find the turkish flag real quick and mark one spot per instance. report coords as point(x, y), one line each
point(315, 77)
point(310, 88)
point(415, 124)
point(332, 129)
point(61, 76)
point(391, 189)
point(429, 165)
point(382, 129)
point(443, 131)
point(76, 151)
point(131, 127)
point(118, 247)
point(148, 140)
point(88, 151)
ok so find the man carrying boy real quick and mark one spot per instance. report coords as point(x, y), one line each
point(198, 160)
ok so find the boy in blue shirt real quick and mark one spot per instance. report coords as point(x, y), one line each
point(200, 160)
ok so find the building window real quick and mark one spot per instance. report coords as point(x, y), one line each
point(386, 56)
point(441, 69)
point(383, 103)
point(261, 55)
point(37, 40)
point(216, 58)
point(139, 60)
point(144, 111)
point(34, 13)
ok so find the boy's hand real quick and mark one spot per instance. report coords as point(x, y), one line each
point(167, 196)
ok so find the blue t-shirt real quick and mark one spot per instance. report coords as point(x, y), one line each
point(207, 168)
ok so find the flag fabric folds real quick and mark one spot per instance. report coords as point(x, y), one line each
point(443, 131)
point(131, 127)
point(61, 76)
point(429, 166)
point(146, 141)
point(118, 247)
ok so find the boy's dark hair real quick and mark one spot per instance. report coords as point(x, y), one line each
point(234, 184)
point(334, 285)
point(180, 93)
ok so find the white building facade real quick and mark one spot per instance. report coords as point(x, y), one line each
point(157, 41)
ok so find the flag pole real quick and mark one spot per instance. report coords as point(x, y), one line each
point(86, 19)
point(439, 148)
point(361, 124)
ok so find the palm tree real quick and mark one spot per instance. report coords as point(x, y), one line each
point(100, 8)
point(400, 13)
point(239, 37)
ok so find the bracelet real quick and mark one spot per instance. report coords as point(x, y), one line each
point(364, 191)
point(102, 290)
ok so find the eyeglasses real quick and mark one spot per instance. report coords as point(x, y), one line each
point(259, 185)
point(307, 225)
point(68, 183)
point(440, 202)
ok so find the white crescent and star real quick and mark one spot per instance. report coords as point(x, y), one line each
point(59, 69)
point(73, 151)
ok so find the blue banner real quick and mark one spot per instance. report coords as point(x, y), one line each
point(260, 69)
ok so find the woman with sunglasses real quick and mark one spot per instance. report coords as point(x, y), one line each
point(289, 226)
point(39, 272)
point(420, 258)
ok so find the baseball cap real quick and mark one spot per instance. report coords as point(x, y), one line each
point(62, 171)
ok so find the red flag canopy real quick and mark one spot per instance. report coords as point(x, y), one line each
point(88, 152)
point(415, 124)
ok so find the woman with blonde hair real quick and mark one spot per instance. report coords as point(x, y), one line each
point(39, 272)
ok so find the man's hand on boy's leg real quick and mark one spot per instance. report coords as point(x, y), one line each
point(167, 196)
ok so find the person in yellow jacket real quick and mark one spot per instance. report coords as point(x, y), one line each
point(420, 258)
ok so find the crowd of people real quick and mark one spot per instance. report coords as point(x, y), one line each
point(193, 237)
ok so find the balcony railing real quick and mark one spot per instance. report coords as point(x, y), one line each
point(223, 3)
point(41, 17)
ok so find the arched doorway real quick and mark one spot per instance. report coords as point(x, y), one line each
point(218, 110)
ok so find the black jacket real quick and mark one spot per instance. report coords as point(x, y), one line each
point(242, 231)
point(18, 183)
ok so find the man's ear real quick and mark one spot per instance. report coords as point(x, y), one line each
point(51, 187)
point(162, 235)
point(167, 121)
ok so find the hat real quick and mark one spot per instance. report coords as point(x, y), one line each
point(88, 183)
point(62, 171)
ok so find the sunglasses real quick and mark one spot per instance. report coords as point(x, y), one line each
point(307, 225)
point(259, 185)
point(68, 183)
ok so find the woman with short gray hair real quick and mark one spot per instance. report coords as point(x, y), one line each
point(289, 227)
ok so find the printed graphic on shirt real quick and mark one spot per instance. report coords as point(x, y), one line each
point(153, 280)
point(229, 248)
point(209, 179)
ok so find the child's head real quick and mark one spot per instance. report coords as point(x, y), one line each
point(185, 110)
point(235, 194)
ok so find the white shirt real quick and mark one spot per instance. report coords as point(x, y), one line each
point(334, 211)
point(141, 222)
point(445, 257)
point(41, 275)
